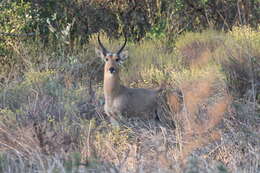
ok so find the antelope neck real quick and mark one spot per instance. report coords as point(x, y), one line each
point(112, 85)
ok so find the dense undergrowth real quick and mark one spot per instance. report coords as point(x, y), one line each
point(52, 117)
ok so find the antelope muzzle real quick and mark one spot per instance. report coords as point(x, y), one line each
point(112, 70)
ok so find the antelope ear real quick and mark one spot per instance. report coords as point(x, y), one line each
point(123, 55)
point(100, 53)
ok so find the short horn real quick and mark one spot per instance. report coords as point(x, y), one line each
point(120, 50)
point(104, 50)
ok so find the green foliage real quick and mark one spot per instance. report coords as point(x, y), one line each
point(73, 22)
point(158, 31)
point(16, 17)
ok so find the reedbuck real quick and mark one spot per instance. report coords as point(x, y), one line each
point(121, 101)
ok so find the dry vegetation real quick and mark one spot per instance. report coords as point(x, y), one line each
point(52, 117)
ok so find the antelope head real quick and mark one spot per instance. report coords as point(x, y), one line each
point(112, 60)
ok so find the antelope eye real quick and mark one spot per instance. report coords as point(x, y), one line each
point(117, 59)
point(106, 59)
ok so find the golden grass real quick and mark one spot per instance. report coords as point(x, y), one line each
point(203, 109)
point(174, 101)
point(191, 143)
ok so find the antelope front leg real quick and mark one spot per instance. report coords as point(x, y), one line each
point(116, 118)
point(112, 119)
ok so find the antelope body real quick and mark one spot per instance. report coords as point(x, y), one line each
point(121, 101)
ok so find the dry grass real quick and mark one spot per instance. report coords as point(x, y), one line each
point(199, 116)
point(20, 141)
point(52, 116)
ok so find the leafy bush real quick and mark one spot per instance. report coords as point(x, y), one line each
point(17, 17)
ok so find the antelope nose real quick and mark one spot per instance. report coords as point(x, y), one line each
point(112, 69)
